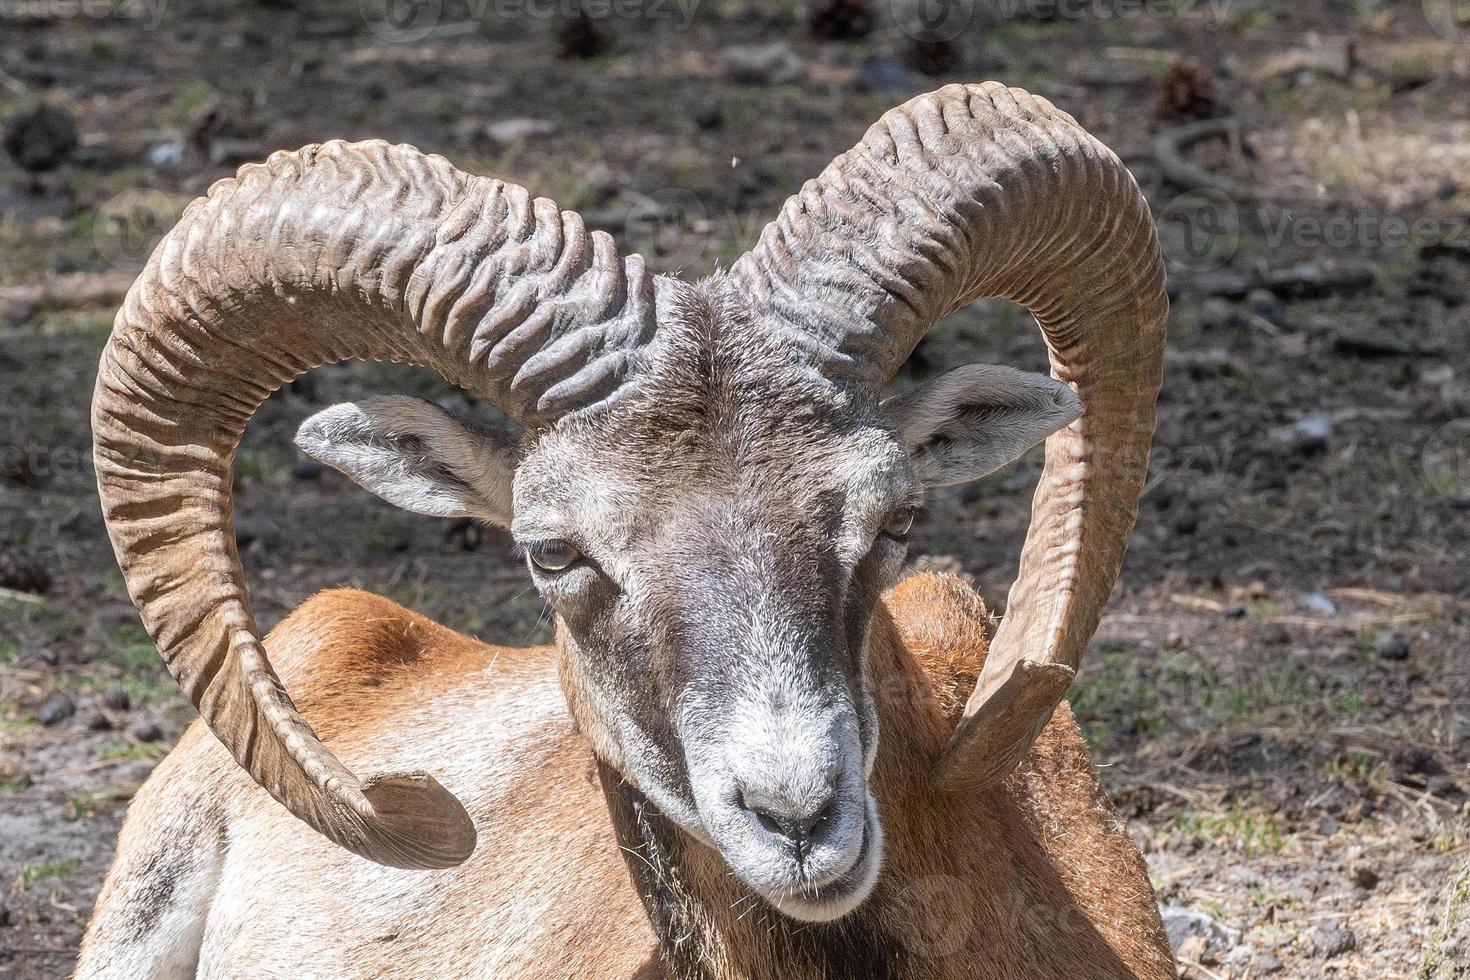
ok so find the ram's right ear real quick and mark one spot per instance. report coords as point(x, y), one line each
point(417, 456)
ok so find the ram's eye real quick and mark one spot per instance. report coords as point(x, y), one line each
point(899, 523)
point(552, 556)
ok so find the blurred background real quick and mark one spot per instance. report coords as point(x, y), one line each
point(1278, 695)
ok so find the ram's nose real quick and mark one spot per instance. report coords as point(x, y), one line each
point(788, 821)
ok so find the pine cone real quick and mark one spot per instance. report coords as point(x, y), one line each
point(839, 20)
point(1187, 93)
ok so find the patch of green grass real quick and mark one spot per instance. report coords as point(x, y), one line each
point(1355, 767)
point(1441, 961)
point(131, 649)
point(33, 873)
point(9, 651)
point(1250, 831)
point(14, 723)
point(16, 783)
point(144, 752)
point(88, 804)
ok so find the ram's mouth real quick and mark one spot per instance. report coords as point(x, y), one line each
point(839, 893)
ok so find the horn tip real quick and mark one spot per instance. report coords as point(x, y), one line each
point(416, 823)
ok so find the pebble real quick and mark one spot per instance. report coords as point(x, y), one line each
point(115, 698)
point(1266, 962)
point(41, 139)
point(1236, 612)
point(98, 722)
point(762, 64)
point(56, 709)
point(1365, 876)
point(307, 469)
point(1182, 923)
point(1276, 635)
point(883, 73)
point(1328, 939)
point(1391, 646)
point(1306, 436)
point(147, 731)
point(166, 154)
point(515, 130)
point(1316, 602)
point(710, 114)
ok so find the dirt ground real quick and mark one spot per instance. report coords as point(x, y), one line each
point(1279, 695)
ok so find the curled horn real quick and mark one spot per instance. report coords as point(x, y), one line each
point(331, 252)
point(983, 190)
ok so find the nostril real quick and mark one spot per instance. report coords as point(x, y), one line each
point(796, 826)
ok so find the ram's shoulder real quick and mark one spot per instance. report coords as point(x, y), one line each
point(940, 614)
point(346, 640)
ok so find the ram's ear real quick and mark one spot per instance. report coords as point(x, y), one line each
point(417, 456)
point(975, 419)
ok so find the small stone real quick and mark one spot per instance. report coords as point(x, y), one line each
point(307, 469)
point(56, 709)
point(1183, 924)
point(580, 37)
point(710, 114)
point(762, 64)
point(1329, 939)
point(1392, 647)
point(166, 154)
point(115, 698)
point(1316, 602)
point(1186, 523)
point(1307, 436)
point(880, 73)
point(1235, 612)
point(1266, 962)
point(228, 152)
point(1276, 635)
point(41, 139)
point(147, 731)
point(98, 722)
point(515, 130)
point(1365, 876)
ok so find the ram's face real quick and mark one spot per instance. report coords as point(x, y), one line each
point(713, 552)
point(713, 545)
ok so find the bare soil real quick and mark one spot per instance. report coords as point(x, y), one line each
point(1279, 694)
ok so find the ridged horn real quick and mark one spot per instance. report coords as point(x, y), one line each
point(332, 252)
point(983, 190)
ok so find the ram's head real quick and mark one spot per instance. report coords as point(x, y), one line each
point(710, 488)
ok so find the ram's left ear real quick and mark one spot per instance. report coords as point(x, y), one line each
point(416, 455)
point(975, 419)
